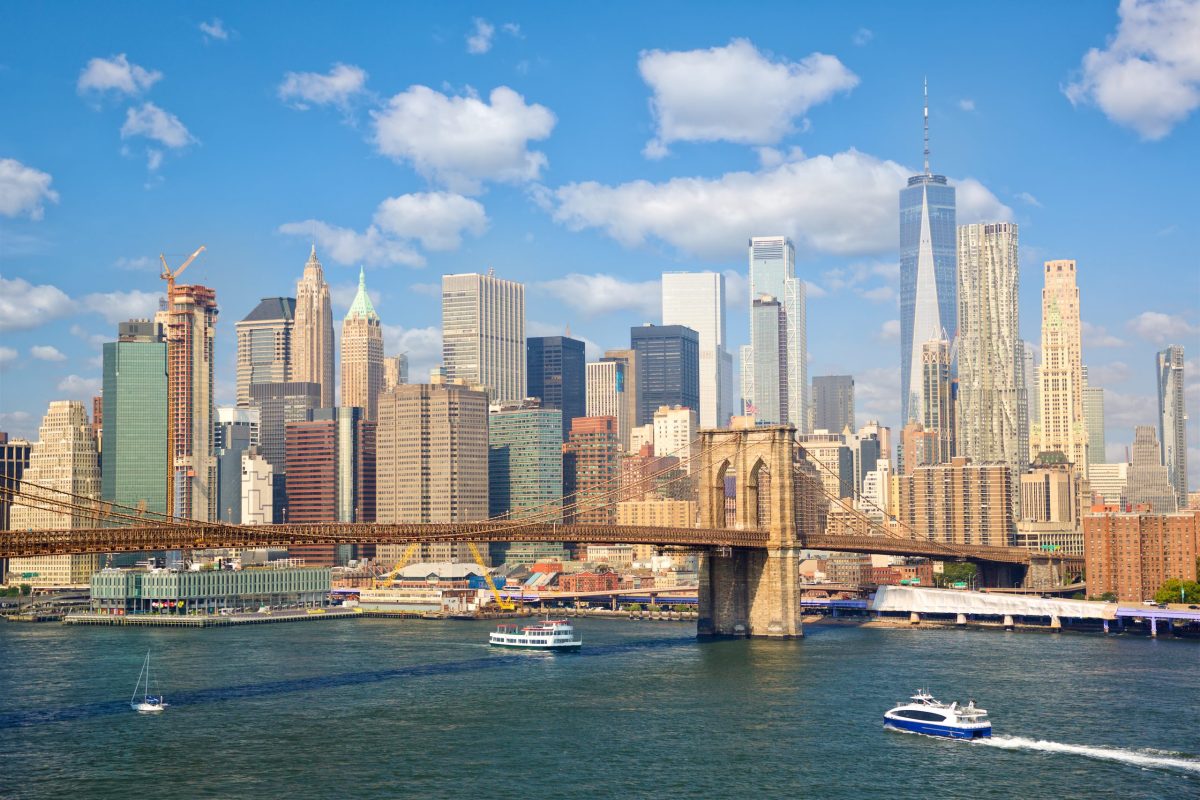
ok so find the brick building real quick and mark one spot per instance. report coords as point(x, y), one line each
point(1132, 555)
point(602, 581)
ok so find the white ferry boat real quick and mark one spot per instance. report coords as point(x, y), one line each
point(551, 634)
point(923, 714)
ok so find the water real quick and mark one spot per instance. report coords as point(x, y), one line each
point(391, 708)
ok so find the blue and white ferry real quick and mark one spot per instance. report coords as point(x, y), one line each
point(923, 714)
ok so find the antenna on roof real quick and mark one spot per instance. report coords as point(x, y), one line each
point(926, 126)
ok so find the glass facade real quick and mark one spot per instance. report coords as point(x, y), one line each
point(525, 462)
point(773, 273)
point(555, 366)
point(134, 437)
point(668, 368)
point(768, 328)
point(278, 404)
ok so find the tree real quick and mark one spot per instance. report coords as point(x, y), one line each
point(1176, 590)
point(635, 606)
point(953, 572)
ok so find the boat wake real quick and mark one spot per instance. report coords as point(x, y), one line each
point(1150, 759)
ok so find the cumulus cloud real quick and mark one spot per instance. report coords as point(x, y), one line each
point(844, 204)
point(889, 330)
point(1028, 199)
point(152, 122)
point(24, 306)
point(302, 90)
point(461, 141)
point(214, 30)
point(1147, 77)
point(436, 219)
point(45, 352)
point(1098, 336)
point(877, 394)
point(734, 93)
point(423, 346)
point(1159, 328)
point(116, 74)
point(593, 295)
point(7, 356)
point(1108, 374)
point(737, 289)
point(78, 388)
point(121, 306)
point(1125, 411)
point(24, 190)
point(347, 246)
point(479, 40)
point(137, 264)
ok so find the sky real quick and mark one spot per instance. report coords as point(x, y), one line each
point(584, 150)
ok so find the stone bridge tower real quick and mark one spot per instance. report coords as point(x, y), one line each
point(750, 591)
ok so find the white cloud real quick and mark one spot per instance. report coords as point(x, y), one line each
point(118, 307)
point(604, 294)
point(24, 190)
point(1108, 374)
point(372, 247)
point(1028, 199)
point(302, 90)
point(18, 424)
point(437, 219)
point(7, 356)
point(461, 141)
point(863, 36)
point(1125, 411)
point(24, 306)
point(45, 352)
point(737, 289)
point(879, 294)
point(423, 346)
point(479, 41)
point(138, 264)
point(813, 290)
point(77, 388)
point(1159, 328)
point(1098, 336)
point(1147, 77)
point(877, 394)
point(116, 74)
point(966, 104)
point(889, 330)
point(844, 204)
point(734, 93)
point(94, 339)
point(512, 29)
point(214, 30)
point(154, 123)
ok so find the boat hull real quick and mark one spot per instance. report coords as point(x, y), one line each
point(148, 708)
point(568, 648)
point(934, 729)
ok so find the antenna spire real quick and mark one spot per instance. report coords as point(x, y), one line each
point(926, 126)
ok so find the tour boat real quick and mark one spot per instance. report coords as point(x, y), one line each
point(552, 634)
point(150, 703)
point(923, 714)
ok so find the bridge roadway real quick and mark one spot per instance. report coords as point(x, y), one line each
point(201, 536)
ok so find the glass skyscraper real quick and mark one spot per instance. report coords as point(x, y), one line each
point(928, 275)
point(773, 273)
point(556, 374)
point(668, 368)
point(134, 438)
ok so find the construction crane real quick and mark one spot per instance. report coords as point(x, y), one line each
point(169, 276)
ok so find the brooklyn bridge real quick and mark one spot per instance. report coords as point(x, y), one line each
point(749, 582)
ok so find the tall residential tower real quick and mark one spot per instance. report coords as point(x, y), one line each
point(1172, 419)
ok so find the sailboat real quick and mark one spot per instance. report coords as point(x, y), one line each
point(150, 703)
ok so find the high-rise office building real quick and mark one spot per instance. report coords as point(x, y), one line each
point(14, 460)
point(557, 376)
point(483, 334)
point(937, 397)
point(362, 353)
point(191, 329)
point(395, 371)
point(928, 276)
point(866, 448)
point(829, 455)
point(1149, 480)
point(264, 345)
point(1107, 482)
point(591, 471)
point(278, 404)
point(1024, 428)
point(632, 393)
point(667, 367)
point(524, 465)
point(988, 345)
point(833, 402)
point(134, 436)
point(1063, 427)
point(746, 373)
point(768, 347)
point(431, 461)
point(697, 300)
point(312, 335)
point(608, 395)
point(675, 430)
point(959, 503)
point(64, 459)
point(1051, 492)
point(773, 273)
point(1093, 419)
point(1172, 419)
point(258, 496)
point(237, 432)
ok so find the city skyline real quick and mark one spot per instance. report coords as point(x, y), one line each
point(853, 285)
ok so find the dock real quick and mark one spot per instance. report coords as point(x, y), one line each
point(205, 620)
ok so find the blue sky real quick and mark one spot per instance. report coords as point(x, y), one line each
point(584, 150)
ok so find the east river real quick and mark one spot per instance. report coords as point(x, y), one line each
point(355, 709)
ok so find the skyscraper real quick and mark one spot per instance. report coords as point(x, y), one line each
point(697, 301)
point(773, 273)
point(236, 433)
point(591, 469)
point(264, 345)
point(64, 459)
point(362, 353)
point(937, 399)
point(190, 324)
point(1063, 428)
point(769, 350)
point(667, 366)
point(1172, 419)
point(607, 395)
point(631, 390)
point(135, 431)
point(1149, 480)
point(988, 345)
point(312, 336)
point(1093, 418)
point(928, 279)
point(557, 376)
point(395, 371)
point(14, 460)
point(483, 334)
point(525, 462)
point(278, 404)
point(833, 402)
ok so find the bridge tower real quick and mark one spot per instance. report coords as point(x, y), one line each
point(750, 591)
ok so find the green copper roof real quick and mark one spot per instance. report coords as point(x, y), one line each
point(361, 307)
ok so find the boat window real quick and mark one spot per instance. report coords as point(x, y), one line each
point(912, 713)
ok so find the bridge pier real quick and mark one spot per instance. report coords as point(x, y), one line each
point(750, 592)
point(1001, 576)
